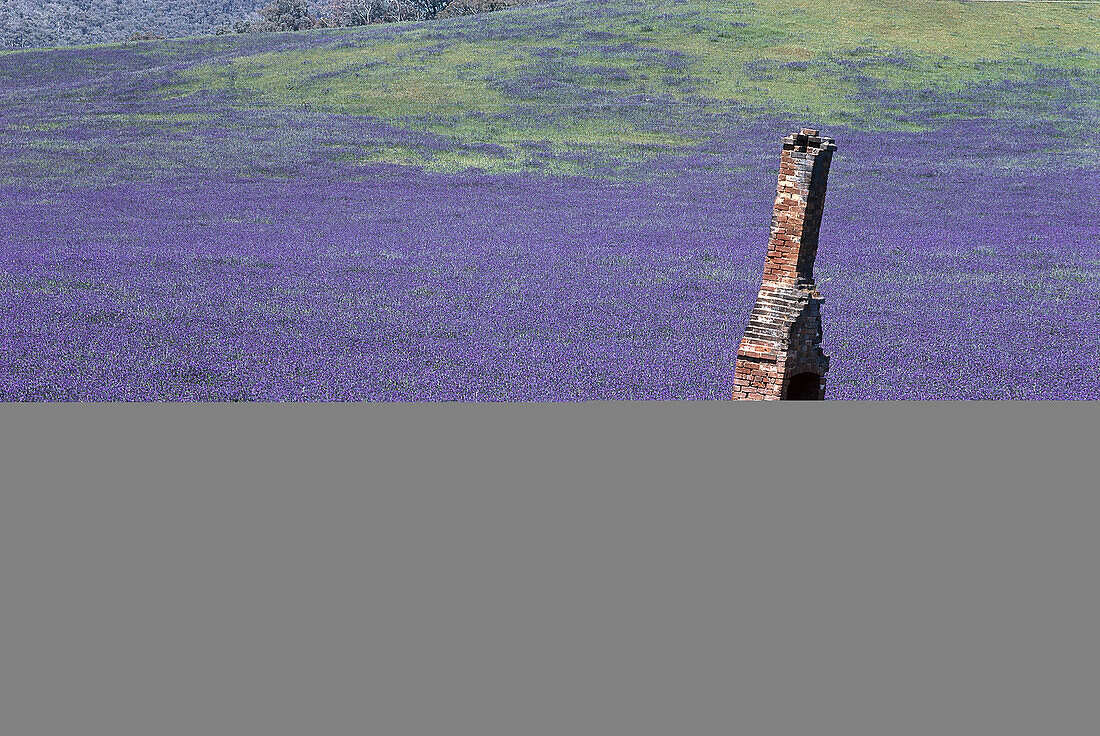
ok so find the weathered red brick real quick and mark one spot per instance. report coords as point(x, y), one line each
point(788, 304)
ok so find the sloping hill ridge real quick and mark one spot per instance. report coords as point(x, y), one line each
point(563, 86)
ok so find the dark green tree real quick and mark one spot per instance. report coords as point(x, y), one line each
point(429, 8)
point(286, 15)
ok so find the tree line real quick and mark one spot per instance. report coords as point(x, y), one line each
point(41, 23)
point(297, 15)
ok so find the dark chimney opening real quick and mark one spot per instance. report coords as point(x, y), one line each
point(804, 387)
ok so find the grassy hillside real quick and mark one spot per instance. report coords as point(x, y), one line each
point(545, 87)
point(221, 218)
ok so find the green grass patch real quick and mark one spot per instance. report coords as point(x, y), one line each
point(568, 76)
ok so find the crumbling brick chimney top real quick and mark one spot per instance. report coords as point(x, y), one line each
point(780, 355)
point(808, 138)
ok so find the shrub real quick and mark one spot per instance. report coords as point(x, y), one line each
point(145, 35)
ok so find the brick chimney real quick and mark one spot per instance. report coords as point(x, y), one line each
point(780, 356)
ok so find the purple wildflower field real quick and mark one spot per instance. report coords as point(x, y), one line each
point(415, 286)
point(960, 262)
